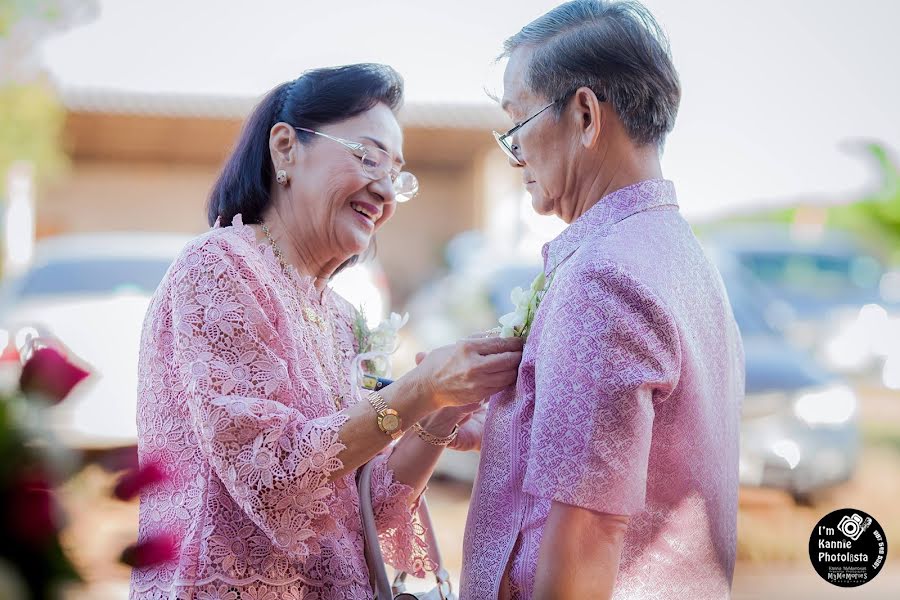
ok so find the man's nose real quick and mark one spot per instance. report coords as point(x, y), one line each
point(517, 162)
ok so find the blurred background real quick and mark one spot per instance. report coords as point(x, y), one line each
point(115, 117)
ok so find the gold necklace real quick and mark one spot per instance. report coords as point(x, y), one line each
point(310, 315)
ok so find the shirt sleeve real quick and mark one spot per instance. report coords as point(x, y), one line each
point(609, 353)
point(274, 461)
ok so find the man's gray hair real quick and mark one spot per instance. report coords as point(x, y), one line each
point(617, 49)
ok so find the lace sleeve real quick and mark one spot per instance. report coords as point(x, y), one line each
point(401, 534)
point(274, 461)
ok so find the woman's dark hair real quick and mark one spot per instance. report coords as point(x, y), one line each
point(318, 97)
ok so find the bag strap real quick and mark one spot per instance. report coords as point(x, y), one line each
point(374, 558)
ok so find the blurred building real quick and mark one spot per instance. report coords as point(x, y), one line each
point(147, 162)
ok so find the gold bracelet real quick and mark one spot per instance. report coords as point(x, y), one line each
point(433, 439)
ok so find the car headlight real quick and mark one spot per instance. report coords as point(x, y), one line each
point(833, 405)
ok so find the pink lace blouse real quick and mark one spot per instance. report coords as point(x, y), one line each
point(242, 368)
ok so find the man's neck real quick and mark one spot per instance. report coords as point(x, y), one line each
point(614, 173)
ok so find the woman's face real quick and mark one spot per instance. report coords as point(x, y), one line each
point(334, 206)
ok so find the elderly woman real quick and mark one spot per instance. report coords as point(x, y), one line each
point(245, 390)
point(611, 469)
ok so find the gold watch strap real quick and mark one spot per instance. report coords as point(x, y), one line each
point(378, 402)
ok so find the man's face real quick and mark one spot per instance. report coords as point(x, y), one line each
point(545, 146)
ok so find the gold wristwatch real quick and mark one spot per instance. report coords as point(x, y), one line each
point(388, 419)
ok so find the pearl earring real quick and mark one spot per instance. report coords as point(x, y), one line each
point(281, 176)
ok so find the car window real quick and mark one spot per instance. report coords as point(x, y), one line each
point(748, 315)
point(755, 307)
point(813, 273)
point(100, 276)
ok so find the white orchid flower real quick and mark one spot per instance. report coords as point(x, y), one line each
point(518, 322)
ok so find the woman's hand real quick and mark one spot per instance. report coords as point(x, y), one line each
point(471, 369)
point(469, 418)
point(471, 430)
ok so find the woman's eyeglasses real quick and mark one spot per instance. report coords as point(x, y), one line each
point(377, 164)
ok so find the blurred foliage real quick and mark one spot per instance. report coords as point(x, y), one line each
point(31, 123)
point(12, 11)
point(874, 217)
point(31, 117)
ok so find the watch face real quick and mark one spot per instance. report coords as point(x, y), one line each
point(390, 422)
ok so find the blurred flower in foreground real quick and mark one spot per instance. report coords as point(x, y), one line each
point(31, 464)
point(155, 550)
point(131, 484)
point(30, 509)
point(50, 375)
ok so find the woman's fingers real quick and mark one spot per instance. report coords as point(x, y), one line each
point(470, 408)
point(485, 334)
point(497, 363)
point(420, 356)
point(499, 380)
point(492, 345)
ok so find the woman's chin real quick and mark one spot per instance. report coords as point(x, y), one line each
point(355, 243)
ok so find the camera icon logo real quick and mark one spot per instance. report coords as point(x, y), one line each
point(853, 526)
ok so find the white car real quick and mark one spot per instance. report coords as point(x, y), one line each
point(90, 292)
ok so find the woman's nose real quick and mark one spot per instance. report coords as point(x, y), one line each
point(384, 189)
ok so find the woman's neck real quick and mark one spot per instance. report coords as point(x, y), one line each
point(296, 253)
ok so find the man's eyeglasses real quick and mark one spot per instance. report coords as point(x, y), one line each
point(377, 164)
point(503, 138)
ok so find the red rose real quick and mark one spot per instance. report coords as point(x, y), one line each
point(155, 550)
point(47, 373)
point(31, 514)
point(131, 483)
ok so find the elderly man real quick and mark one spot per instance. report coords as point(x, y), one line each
point(611, 470)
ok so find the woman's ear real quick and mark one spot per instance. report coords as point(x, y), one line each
point(588, 115)
point(281, 145)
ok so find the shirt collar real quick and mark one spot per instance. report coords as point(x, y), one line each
point(611, 209)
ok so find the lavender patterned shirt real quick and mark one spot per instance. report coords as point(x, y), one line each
point(628, 402)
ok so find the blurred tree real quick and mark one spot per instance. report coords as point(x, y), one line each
point(31, 117)
point(31, 121)
point(874, 217)
point(24, 23)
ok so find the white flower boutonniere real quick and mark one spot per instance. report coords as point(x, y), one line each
point(376, 345)
point(518, 322)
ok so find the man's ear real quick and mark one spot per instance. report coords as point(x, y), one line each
point(282, 148)
point(588, 115)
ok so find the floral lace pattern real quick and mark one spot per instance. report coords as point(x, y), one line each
point(627, 402)
point(237, 402)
